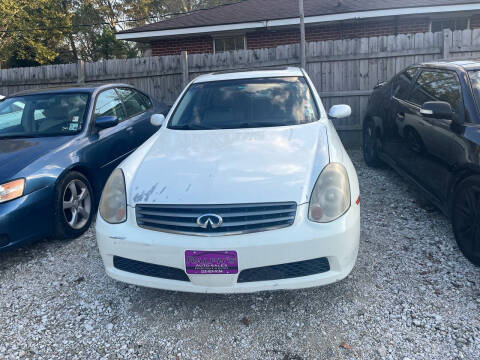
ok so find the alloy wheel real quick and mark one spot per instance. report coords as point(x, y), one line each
point(77, 204)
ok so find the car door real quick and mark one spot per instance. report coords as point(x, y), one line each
point(111, 145)
point(393, 141)
point(429, 140)
point(139, 109)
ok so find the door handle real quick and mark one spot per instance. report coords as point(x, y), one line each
point(401, 115)
point(130, 128)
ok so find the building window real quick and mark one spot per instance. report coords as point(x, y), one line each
point(229, 43)
point(452, 24)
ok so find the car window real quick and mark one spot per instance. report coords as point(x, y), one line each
point(43, 114)
point(245, 103)
point(11, 114)
point(109, 104)
point(435, 85)
point(403, 82)
point(147, 101)
point(135, 102)
point(475, 80)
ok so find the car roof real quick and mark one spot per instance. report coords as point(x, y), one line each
point(250, 74)
point(466, 64)
point(87, 88)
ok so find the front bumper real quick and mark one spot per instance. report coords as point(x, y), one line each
point(26, 219)
point(337, 241)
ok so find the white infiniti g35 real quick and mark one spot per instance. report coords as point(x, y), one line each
point(245, 188)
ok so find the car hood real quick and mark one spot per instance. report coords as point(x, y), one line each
point(17, 154)
point(256, 165)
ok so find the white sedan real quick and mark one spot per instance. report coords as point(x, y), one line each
point(245, 188)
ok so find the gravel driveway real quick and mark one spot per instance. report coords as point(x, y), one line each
point(412, 295)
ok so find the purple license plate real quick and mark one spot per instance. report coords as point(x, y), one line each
point(211, 262)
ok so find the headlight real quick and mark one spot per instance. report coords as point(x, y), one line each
point(11, 190)
point(331, 195)
point(113, 204)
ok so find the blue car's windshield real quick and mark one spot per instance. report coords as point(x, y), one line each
point(43, 115)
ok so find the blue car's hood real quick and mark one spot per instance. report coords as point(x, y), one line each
point(17, 154)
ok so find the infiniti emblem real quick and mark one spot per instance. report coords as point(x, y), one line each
point(209, 220)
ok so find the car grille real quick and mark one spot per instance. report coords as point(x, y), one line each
point(237, 219)
point(146, 269)
point(285, 271)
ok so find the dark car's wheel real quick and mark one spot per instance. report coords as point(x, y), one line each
point(370, 145)
point(74, 206)
point(466, 218)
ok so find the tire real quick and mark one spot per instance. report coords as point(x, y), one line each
point(466, 218)
point(73, 206)
point(370, 145)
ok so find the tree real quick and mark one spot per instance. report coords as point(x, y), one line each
point(33, 31)
point(38, 32)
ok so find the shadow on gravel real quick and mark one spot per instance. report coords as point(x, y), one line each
point(265, 304)
point(34, 250)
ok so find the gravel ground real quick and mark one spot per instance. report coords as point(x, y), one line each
point(412, 295)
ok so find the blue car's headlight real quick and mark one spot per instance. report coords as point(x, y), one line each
point(12, 190)
point(113, 204)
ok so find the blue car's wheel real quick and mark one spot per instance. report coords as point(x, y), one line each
point(74, 206)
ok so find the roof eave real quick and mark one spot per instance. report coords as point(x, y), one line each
point(137, 36)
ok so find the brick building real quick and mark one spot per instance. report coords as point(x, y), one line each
point(253, 24)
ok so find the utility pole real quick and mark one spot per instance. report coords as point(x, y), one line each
point(303, 57)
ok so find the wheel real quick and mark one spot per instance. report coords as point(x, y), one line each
point(74, 206)
point(370, 145)
point(466, 218)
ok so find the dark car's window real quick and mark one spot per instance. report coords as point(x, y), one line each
point(245, 103)
point(435, 85)
point(109, 104)
point(43, 115)
point(135, 102)
point(475, 79)
point(403, 82)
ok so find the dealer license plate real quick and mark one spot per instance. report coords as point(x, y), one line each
point(211, 262)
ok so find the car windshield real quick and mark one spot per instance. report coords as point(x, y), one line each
point(245, 103)
point(43, 115)
point(475, 77)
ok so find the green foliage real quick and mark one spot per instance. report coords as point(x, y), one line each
point(38, 32)
point(33, 31)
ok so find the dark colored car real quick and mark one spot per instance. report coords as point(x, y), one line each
point(57, 149)
point(425, 123)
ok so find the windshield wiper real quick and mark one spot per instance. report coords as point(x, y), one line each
point(191, 127)
point(256, 124)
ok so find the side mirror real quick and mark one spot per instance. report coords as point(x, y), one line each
point(105, 122)
point(339, 111)
point(157, 119)
point(437, 110)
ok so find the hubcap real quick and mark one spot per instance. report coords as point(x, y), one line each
point(467, 219)
point(77, 204)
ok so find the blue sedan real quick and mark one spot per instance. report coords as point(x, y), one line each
point(57, 149)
